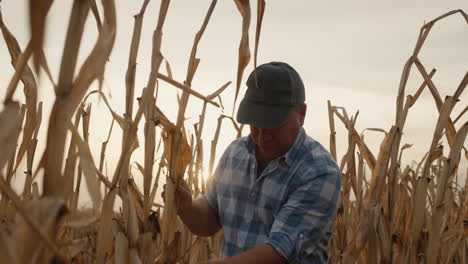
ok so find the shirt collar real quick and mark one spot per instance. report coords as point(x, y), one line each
point(292, 153)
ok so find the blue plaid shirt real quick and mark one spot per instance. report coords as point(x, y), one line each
point(291, 205)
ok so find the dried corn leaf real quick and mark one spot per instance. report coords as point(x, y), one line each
point(414, 98)
point(219, 91)
point(38, 10)
point(406, 146)
point(23, 73)
point(168, 69)
point(185, 88)
point(7, 254)
point(137, 197)
point(31, 123)
point(82, 222)
point(68, 98)
point(370, 159)
point(95, 11)
point(47, 214)
point(10, 127)
point(19, 61)
point(331, 120)
point(184, 153)
point(438, 213)
point(194, 61)
point(150, 136)
point(375, 130)
point(94, 66)
point(436, 153)
point(450, 129)
point(104, 236)
point(76, 25)
point(45, 66)
point(89, 168)
point(244, 51)
point(260, 12)
point(131, 70)
point(119, 119)
point(132, 225)
point(121, 249)
point(381, 167)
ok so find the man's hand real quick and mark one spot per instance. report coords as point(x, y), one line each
point(182, 197)
point(212, 261)
point(262, 254)
point(196, 214)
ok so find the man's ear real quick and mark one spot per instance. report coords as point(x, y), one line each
point(302, 114)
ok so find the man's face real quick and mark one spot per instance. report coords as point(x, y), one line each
point(272, 143)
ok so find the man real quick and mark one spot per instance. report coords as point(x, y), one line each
point(275, 192)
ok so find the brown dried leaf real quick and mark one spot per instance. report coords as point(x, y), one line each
point(94, 66)
point(121, 249)
point(150, 136)
point(38, 10)
point(23, 72)
point(31, 124)
point(436, 153)
point(96, 14)
point(375, 130)
point(185, 88)
point(89, 168)
point(104, 236)
point(168, 69)
point(133, 230)
point(442, 184)
point(7, 254)
point(260, 12)
point(184, 152)
point(244, 51)
point(47, 214)
point(19, 61)
point(131, 69)
point(45, 66)
point(219, 91)
point(193, 60)
point(72, 45)
point(406, 146)
point(81, 223)
point(380, 171)
point(10, 127)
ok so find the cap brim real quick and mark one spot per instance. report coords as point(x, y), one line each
point(264, 116)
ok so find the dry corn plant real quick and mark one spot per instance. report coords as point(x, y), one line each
point(49, 227)
point(401, 216)
point(412, 214)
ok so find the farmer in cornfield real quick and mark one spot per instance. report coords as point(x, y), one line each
point(275, 192)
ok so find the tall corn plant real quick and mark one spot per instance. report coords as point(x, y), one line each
point(409, 215)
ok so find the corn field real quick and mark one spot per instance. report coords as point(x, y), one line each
point(389, 212)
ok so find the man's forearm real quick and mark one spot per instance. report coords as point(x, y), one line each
point(200, 218)
point(263, 254)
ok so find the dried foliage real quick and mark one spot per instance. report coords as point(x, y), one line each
point(412, 214)
point(399, 214)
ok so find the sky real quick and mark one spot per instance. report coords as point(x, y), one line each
point(349, 52)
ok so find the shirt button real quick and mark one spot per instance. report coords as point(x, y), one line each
point(301, 236)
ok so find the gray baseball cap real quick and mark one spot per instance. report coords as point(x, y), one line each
point(270, 95)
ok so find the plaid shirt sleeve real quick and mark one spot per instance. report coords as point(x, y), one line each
point(307, 213)
point(211, 194)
